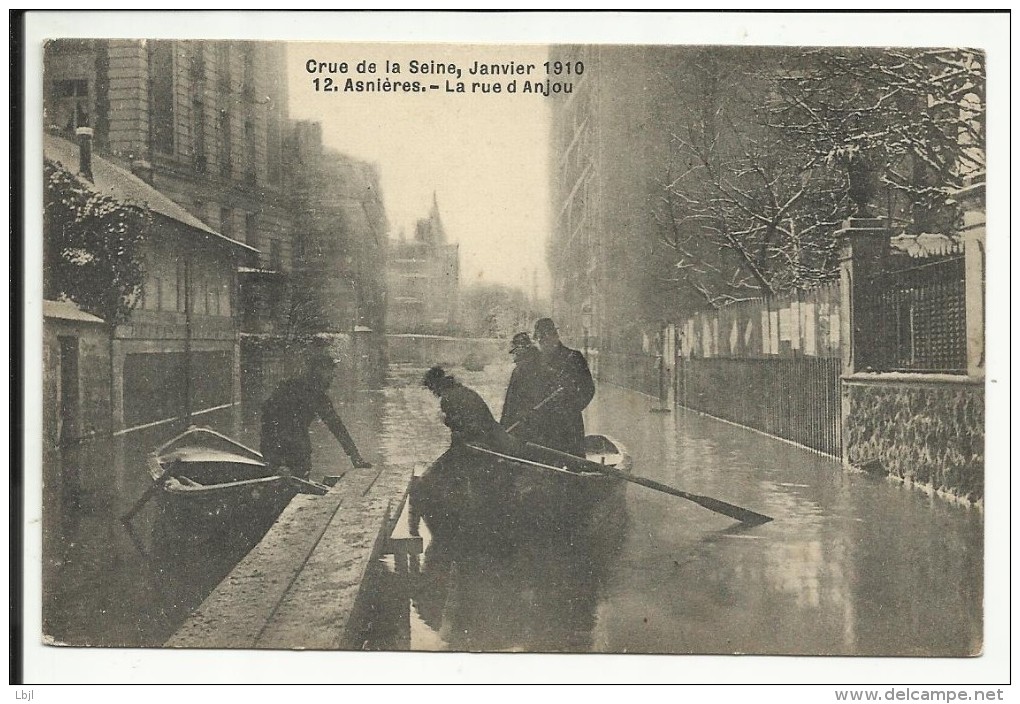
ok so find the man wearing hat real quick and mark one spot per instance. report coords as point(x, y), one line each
point(565, 381)
point(523, 392)
point(290, 410)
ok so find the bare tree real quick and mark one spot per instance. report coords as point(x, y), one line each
point(911, 120)
point(743, 213)
point(774, 151)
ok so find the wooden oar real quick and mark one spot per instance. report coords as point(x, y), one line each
point(743, 515)
point(307, 487)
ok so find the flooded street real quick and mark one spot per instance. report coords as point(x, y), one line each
point(850, 565)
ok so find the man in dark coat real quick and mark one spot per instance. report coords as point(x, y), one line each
point(464, 412)
point(290, 410)
point(559, 422)
point(524, 391)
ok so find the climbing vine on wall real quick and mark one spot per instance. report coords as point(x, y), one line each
point(92, 246)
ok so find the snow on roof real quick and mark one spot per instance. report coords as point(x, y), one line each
point(112, 180)
point(68, 310)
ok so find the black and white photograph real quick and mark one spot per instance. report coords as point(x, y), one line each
point(346, 337)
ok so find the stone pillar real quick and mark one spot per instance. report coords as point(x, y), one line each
point(974, 267)
point(864, 253)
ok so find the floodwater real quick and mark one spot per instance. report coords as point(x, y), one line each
point(851, 565)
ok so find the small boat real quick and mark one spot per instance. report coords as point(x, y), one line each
point(481, 494)
point(209, 479)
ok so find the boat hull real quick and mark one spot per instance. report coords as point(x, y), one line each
point(218, 484)
point(475, 496)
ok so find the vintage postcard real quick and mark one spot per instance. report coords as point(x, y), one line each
point(465, 340)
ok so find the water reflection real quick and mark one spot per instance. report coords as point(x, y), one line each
point(107, 583)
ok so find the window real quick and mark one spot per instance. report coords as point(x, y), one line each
point(161, 95)
point(251, 229)
point(156, 300)
point(223, 67)
point(223, 144)
point(249, 148)
point(197, 63)
point(182, 278)
point(248, 75)
point(273, 147)
point(226, 224)
point(276, 255)
point(71, 104)
point(198, 134)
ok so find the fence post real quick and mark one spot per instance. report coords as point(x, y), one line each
point(864, 251)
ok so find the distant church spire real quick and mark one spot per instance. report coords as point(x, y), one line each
point(430, 230)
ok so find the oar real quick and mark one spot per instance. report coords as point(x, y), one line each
point(144, 498)
point(743, 515)
point(547, 399)
point(307, 487)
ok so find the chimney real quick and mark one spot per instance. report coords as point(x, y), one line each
point(85, 151)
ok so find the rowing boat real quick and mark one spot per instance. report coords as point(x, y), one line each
point(210, 481)
point(478, 493)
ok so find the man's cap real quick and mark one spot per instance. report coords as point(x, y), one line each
point(544, 326)
point(433, 376)
point(520, 340)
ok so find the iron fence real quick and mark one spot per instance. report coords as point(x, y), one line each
point(796, 398)
point(914, 319)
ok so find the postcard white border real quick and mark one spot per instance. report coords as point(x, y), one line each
point(990, 32)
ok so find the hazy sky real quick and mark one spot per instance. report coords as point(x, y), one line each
point(484, 155)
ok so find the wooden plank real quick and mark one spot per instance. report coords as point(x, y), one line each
point(238, 609)
point(320, 610)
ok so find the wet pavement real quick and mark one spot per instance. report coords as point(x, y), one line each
point(852, 564)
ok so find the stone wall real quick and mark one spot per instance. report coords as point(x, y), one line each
point(928, 432)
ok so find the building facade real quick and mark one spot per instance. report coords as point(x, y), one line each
point(177, 355)
point(423, 280)
point(609, 155)
point(339, 249)
point(195, 130)
point(201, 122)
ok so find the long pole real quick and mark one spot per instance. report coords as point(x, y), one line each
point(743, 515)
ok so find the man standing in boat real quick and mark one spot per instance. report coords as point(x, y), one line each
point(290, 410)
point(566, 389)
point(524, 391)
